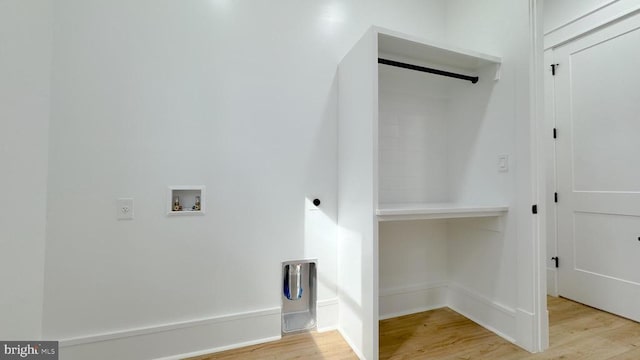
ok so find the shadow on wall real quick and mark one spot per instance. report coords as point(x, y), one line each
point(320, 229)
point(321, 238)
point(472, 118)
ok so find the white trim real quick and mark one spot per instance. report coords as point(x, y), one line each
point(351, 344)
point(327, 302)
point(398, 290)
point(411, 299)
point(532, 330)
point(593, 21)
point(466, 302)
point(411, 311)
point(549, 148)
point(609, 277)
point(579, 17)
point(492, 315)
point(483, 324)
point(193, 334)
point(526, 325)
point(327, 328)
point(221, 348)
point(147, 330)
point(327, 314)
point(172, 341)
point(552, 282)
point(507, 310)
point(479, 308)
point(437, 45)
point(424, 211)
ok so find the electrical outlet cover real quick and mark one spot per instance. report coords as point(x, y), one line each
point(124, 209)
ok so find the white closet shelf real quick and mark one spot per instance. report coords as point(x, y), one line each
point(406, 46)
point(420, 211)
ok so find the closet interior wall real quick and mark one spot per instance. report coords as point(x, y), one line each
point(430, 128)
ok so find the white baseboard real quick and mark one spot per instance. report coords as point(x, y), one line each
point(191, 338)
point(351, 344)
point(492, 315)
point(327, 314)
point(552, 282)
point(177, 340)
point(209, 335)
point(412, 299)
point(526, 330)
point(219, 349)
point(487, 313)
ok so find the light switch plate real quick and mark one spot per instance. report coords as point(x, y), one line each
point(124, 209)
point(503, 163)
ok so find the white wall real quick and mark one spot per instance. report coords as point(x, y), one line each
point(239, 96)
point(412, 137)
point(485, 123)
point(236, 95)
point(413, 266)
point(501, 27)
point(25, 56)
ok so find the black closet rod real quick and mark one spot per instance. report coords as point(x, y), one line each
point(473, 79)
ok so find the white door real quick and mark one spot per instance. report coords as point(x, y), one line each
point(597, 86)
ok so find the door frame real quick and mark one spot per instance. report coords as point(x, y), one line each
point(583, 24)
point(539, 173)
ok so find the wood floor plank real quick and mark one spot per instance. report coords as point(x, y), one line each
point(327, 345)
point(577, 332)
point(633, 354)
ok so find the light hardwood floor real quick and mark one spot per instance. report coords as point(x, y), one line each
point(576, 332)
point(327, 345)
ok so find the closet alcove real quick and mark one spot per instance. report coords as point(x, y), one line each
point(424, 186)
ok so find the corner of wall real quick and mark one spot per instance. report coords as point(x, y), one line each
point(25, 69)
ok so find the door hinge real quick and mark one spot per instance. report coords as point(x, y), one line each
point(557, 260)
point(555, 197)
point(534, 209)
point(553, 69)
point(555, 133)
